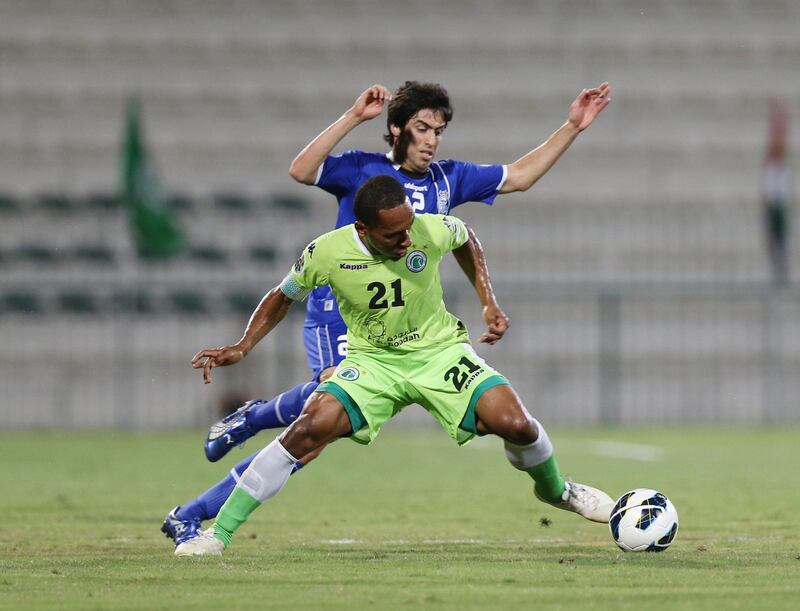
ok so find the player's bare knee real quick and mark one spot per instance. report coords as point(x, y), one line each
point(320, 422)
point(297, 439)
point(521, 429)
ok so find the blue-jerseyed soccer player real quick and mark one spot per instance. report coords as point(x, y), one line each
point(418, 114)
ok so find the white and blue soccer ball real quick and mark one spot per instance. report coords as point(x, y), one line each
point(643, 520)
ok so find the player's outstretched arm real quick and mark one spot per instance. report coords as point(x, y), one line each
point(269, 312)
point(367, 106)
point(472, 261)
point(525, 171)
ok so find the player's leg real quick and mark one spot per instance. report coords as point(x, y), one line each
point(528, 448)
point(500, 411)
point(326, 347)
point(184, 521)
point(322, 421)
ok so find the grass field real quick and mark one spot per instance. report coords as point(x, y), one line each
point(410, 522)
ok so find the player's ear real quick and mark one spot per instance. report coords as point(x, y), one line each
point(361, 228)
point(395, 130)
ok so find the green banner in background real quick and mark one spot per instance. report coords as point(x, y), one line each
point(156, 232)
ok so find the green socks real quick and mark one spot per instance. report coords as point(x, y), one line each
point(233, 514)
point(549, 483)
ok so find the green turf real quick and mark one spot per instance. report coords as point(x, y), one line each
point(410, 522)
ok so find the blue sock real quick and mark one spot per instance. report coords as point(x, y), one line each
point(280, 411)
point(206, 506)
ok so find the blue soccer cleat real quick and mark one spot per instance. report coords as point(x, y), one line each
point(228, 433)
point(180, 530)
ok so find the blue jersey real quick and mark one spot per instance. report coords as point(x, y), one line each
point(444, 186)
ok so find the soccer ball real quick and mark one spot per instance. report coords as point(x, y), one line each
point(643, 520)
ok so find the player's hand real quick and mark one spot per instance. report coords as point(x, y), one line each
point(370, 103)
point(589, 104)
point(496, 324)
point(216, 357)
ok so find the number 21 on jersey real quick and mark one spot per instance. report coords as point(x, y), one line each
point(379, 300)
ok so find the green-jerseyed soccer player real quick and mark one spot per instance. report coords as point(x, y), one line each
point(404, 347)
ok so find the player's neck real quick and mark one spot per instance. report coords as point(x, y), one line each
point(366, 247)
point(412, 173)
point(403, 166)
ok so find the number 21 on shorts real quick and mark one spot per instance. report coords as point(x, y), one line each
point(458, 374)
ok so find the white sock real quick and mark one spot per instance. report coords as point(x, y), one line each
point(268, 472)
point(525, 457)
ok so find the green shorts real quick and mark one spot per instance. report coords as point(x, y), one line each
point(445, 381)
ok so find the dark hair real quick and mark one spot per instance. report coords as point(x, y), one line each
point(410, 98)
point(378, 193)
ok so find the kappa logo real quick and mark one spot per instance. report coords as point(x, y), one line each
point(311, 248)
point(349, 374)
point(353, 266)
point(301, 263)
point(416, 261)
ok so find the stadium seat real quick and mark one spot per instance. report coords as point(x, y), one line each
point(232, 203)
point(95, 254)
point(77, 301)
point(180, 202)
point(21, 302)
point(38, 254)
point(242, 301)
point(9, 204)
point(55, 203)
point(101, 202)
point(288, 201)
point(132, 301)
point(208, 254)
point(188, 302)
point(263, 253)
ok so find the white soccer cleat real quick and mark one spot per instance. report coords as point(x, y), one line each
point(204, 544)
point(591, 503)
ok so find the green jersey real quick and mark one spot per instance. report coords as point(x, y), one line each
point(388, 305)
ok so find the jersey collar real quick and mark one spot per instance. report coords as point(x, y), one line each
point(397, 168)
point(362, 247)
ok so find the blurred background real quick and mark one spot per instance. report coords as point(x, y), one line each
point(651, 277)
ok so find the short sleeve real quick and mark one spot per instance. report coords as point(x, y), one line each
point(448, 232)
point(305, 275)
point(339, 174)
point(476, 183)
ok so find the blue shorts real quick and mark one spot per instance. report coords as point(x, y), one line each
point(326, 346)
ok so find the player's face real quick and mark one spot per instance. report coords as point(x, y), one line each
point(391, 236)
point(421, 138)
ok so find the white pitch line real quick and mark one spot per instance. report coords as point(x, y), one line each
point(408, 542)
point(632, 451)
point(405, 542)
